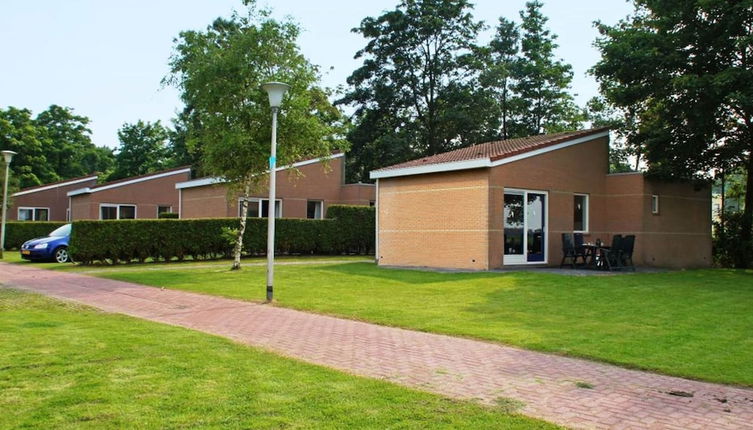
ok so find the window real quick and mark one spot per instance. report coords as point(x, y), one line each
point(164, 210)
point(655, 204)
point(372, 203)
point(33, 214)
point(314, 209)
point(258, 208)
point(114, 211)
point(580, 213)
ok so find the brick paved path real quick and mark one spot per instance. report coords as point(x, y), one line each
point(455, 367)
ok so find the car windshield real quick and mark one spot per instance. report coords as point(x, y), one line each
point(61, 231)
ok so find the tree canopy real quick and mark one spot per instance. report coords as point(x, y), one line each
point(142, 149)
point(682, 73)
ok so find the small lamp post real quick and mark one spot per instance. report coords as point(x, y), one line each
point(8, 156)
point(275, 90)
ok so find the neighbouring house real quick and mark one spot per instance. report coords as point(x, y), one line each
point(137, 197)
point(507, 203)
point(48, 202)
point(304, 190)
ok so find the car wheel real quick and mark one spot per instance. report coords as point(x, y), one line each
point(61, 255)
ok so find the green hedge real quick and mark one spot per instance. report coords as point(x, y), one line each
point(18, 232)
point(347, 230)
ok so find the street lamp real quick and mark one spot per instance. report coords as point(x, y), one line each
point(8, 155)
point(275, 90)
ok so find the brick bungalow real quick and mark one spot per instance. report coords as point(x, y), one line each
point(137, 197)
point(318, 184)
point(48, 202)
point(507, 203)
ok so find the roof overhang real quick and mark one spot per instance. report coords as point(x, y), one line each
point(481, 162)
point(212, 180)
point(88, 190)
point(57, 185)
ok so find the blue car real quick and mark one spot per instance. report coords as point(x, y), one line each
point(53, 247)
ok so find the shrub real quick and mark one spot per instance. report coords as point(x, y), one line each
point(166, 239)
point(729, 249)
point(356, 228)
point(168, 215)
point(18, 232)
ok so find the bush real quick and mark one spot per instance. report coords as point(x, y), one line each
point(18, 232)
point(356, 232)
point(168, 215)
point(729, 250)
point(165, 239)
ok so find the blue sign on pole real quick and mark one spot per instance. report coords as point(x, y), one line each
point(272, 161)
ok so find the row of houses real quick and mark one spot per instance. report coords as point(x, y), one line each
point(305, 192)
point(488, 206)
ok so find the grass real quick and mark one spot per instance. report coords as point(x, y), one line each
point(694, 324)
point(67, 366)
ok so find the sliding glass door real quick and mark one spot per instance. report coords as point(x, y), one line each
point(525, 224)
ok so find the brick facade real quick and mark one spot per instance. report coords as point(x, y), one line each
point(53, 197)
point(455, 219)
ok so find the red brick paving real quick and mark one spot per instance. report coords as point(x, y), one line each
point(455, 367)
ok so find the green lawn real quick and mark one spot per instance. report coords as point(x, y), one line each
point(695, 324)
point(67, 366)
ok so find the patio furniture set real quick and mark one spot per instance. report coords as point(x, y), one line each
point(598, 256)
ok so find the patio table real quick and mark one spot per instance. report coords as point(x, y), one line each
point(594, 255)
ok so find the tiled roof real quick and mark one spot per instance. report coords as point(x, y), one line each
point(496, 150)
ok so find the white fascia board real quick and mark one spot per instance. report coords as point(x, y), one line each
point(131, 182)
point(215, 180)
point(480, 162)
point(199, 182)
point(431, 168)
point(49, 187)
point(551, 148)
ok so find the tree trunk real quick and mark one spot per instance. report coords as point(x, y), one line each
point(242, 228)
point(746, 236)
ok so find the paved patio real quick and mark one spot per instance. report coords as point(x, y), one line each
point(571, 392)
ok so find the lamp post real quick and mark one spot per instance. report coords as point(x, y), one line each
point(8, 155)
point(275, 90)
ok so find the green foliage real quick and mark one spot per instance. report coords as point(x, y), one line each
point(18, 232)
point(142, 150)
point(682, 70)
point(55, 145)
point(413, 94)
point(169, 215)
point(356, 227)
point(220, 72)
point(730, 247)
point(349, 230)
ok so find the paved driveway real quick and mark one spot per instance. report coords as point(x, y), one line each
point(550, 387)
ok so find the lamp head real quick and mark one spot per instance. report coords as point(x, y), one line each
point(8, 155)
point(275, 90)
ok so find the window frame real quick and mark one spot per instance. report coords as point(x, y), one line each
point(117, 207)
point(319, 210)
point(655, 204)
point(259, 201)
point(33, 210)
point(169, 209)
point(586, 218)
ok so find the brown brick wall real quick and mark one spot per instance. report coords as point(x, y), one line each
point(56, 199)
point(316, 181)
point(146, 195)
point(434, 220)
point(579, 169)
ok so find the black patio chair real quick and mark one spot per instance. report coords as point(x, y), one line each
point(612, 257)
point(569, 250)
point(628, 244)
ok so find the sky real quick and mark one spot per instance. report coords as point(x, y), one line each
point(106, 59)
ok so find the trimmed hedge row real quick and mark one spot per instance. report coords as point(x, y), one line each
point(345, 231)
point(18, 232)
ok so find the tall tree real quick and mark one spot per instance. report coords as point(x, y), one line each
point(142, 149)
point(20, 133)
point(220, 71)
point(413, 66)
point(68, 146)
point(500, 58)
point(684, 70)
point(542, 82)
